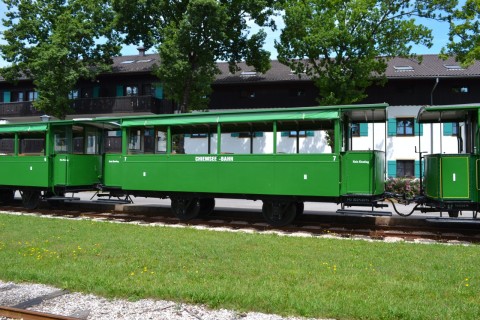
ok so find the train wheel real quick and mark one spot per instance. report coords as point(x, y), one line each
point(279, 214)
point(453, 213)
point(185, 208)
point(30, 198)
point(300, 208)
point(7, 196)
point(207, 205)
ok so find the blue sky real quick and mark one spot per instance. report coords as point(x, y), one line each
point(440, 33)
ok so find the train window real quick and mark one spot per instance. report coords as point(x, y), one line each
point(251, 142)
point(178, 143)
point(60, 142)
point(92, 146)
point(32, 143)
point(135, 141)
point(78, 140)
point(113, 141)
point(405, 168)
point(200, 143)
point(149, 140)
point(7, 145)
point(308, 141)
point(405, 127)
point(161, 142)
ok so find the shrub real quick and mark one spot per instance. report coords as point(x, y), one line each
point(409, 187)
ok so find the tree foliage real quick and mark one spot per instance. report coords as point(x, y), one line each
point(57, 42)
point(192, 35)
point(344, 44)
point(464, 33)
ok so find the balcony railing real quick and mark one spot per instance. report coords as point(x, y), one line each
point(106, 105)
point(18, 109)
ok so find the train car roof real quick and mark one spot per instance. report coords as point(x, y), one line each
point(448, 113)
point(104, 123)
point(356, 113)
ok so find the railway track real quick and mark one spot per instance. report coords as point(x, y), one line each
point(357, 227)
point(16, 313)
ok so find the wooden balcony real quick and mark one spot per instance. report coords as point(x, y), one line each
point(106, 105)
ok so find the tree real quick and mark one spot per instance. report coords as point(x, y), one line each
point(464, 33)
point(191, 36)
point(56, 43)
point(344, 44)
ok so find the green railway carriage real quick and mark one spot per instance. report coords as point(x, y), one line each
point(47, 159)
point(452, 181)
point(155, 160)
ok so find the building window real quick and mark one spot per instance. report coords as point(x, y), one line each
point(301, 134)
point(455, 129)
point(405, 127)
point(199, 135)
point(297, 93)
point(355, 127)
point(249, 94)
point(18, 96)
point(73, 95)
point(461, 89)
point(32, 95)
point(131, 91)
point(405, 168)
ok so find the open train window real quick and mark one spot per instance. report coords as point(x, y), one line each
point(7, 145)
point(141, 140)
point(113, 141)
point(60, 143)
point(78, 140)
point(32, 143)
point(92, 141)
point(161, 141)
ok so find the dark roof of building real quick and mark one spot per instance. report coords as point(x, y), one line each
point(136, 63)
point(428, 66)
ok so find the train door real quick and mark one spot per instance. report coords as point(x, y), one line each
point(455, 177)
point(77, 160)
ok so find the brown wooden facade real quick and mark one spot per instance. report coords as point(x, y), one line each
point(132, 88)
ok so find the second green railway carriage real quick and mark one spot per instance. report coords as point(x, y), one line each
point(155, 160)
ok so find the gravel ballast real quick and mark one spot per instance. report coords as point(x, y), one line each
point(88, 306)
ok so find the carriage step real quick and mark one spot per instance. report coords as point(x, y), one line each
point(115, 201)
point(62, 199)
point(454, 220)
point(364, 213)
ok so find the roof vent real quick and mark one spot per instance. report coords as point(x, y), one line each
point(403, 68)
point(248, 73)
point(453, 67)
point(141, 51)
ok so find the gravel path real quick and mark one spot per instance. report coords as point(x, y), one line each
point(93, 307)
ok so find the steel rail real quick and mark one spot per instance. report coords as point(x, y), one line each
point(16, 313)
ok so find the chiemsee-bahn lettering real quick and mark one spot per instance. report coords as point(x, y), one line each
point(214, 159)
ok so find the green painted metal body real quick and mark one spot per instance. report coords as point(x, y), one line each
point(363, 173)
point(281, 174)
point(25, 171)
point(76, 169)
point(452, 177)
point(307, 175)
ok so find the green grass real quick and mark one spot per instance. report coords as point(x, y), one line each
point(343, 279)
